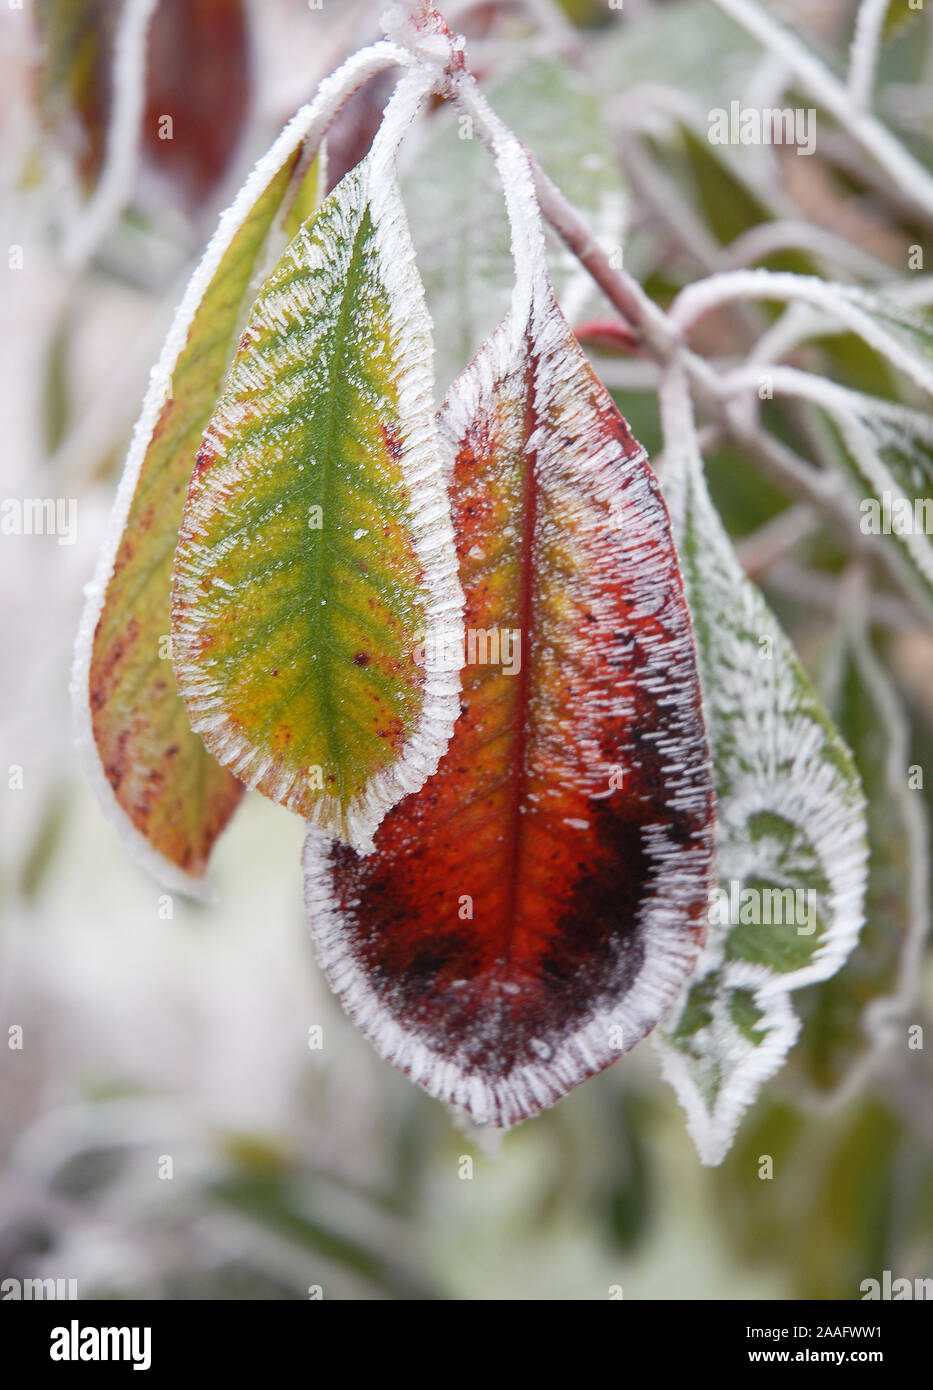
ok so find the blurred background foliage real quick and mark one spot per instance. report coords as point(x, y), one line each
point(166, 1131)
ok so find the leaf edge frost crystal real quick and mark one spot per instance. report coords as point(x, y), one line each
point(509, 873)
point(405, 972)
point(796, 769)
point(208, 611)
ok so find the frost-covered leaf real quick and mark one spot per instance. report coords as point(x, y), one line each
point(316, 546)
point(700, 56)
point(849, 1018)
point(307, 191)
point(887, 450)
point(729, 204)
point(790, 823)
point(462, 233)
point(666, 79)
point(906, 329)
point(889, 323)
point(528, 916)
point(170, 798)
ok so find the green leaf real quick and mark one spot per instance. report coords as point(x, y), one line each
point(896, 324)
point(886, 449)
point(790, 834)
point(463, 250)
point(733, 194)
point(899, 16)
point(827, 1213)
point(850, 1018)
point(906, 326)
point(729, 206)
point(169, 798)
point(700, 55)
point(847, 358)
point(316, 551)
point(890, 450)
point(308, 192)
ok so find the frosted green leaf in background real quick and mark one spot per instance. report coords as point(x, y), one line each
point(703, 53)
point(897, 323)
point(887, 451)
point(851, 1017)
point(908, 325)
point(664, 76)
point(790, 817)
point(902, 76)
point(463, 238)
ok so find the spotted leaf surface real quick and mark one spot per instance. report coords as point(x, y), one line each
point(169, 797)
point(790, 824)
point(316, 551)
point(528, 916)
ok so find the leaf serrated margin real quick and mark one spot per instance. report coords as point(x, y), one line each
point(372, 190)
point(307, 125)
point(668, 953)
point(839, 840)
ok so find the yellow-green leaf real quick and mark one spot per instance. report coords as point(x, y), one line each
point(171, 799)
point(316, 554)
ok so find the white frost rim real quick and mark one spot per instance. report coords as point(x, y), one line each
point(841, 848)
point(308, 124)
point(428, 517)
point(669, 952)
point(529, 1088)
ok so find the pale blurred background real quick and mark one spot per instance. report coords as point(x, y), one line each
point(155, 1030)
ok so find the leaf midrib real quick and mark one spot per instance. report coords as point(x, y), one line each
point(338, 346)
point(525, 617)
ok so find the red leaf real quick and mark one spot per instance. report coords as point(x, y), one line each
point(525, 919)
point(199, 74)
point(352, 131)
